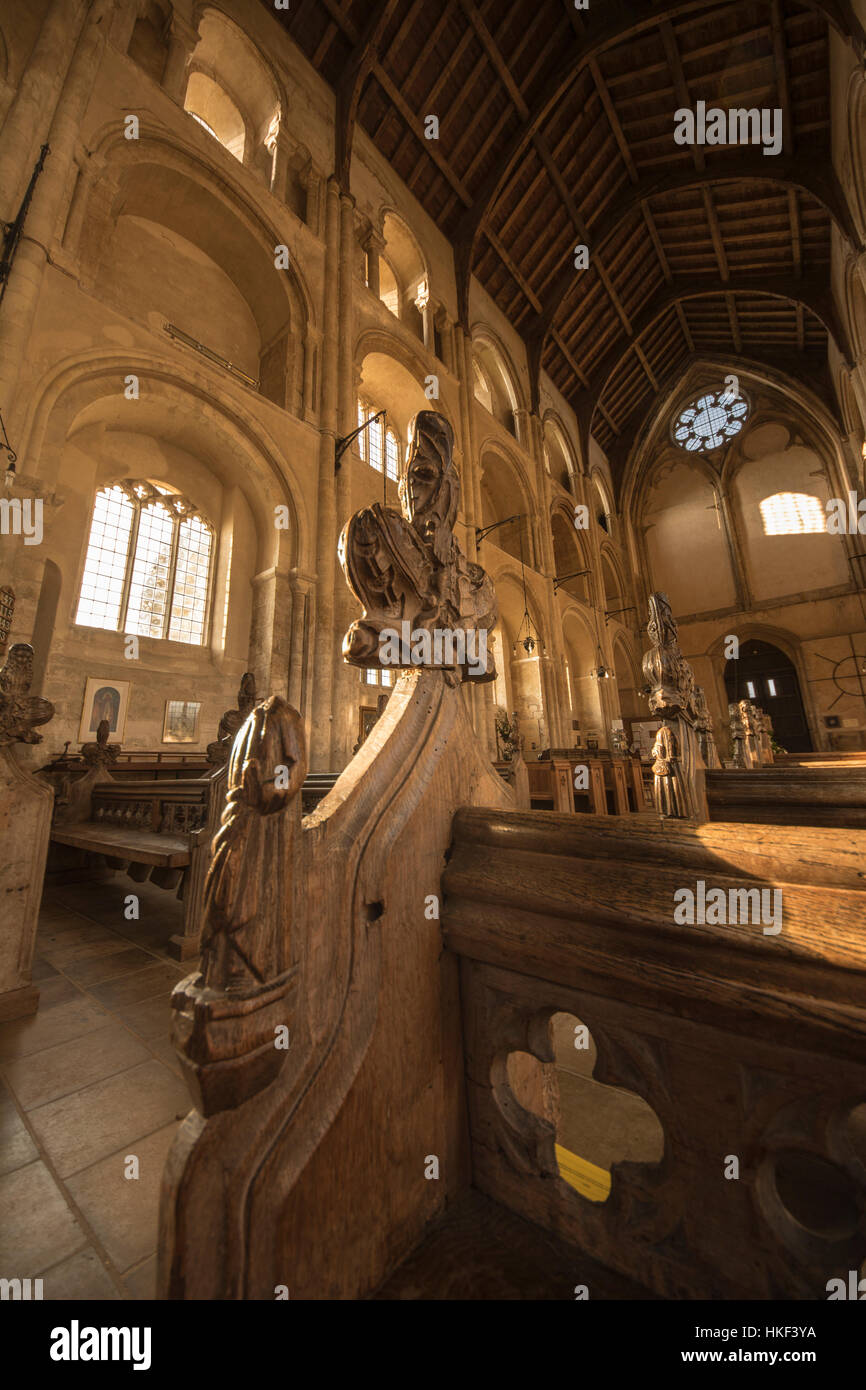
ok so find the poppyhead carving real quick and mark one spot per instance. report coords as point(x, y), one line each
point(425, 604)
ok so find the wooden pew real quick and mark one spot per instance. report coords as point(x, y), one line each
point(742, 1043)
point(540, 913)
point(415, 932)
point(159, 830)
point(790, 795)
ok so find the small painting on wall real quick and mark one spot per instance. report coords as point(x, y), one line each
point(104, 699)
point(181, 721)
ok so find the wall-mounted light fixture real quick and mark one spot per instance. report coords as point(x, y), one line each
point(5, 445)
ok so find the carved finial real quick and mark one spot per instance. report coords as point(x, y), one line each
point(20, 711)
point(425, 604)
point(231, 721)
point(243, 943)
point(669, 675)
point(100, 753)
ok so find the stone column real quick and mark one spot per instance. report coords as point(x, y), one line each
point(312, 181)
point(18, 309)
point(123, 24)
point(422, 304)
point(27, 122)
point(302, 588)
point(374, 245)
point(345, 678)
point(280, 147)
point(312, 346)
point(182, 41)
point(80, 194)
point(326, 537)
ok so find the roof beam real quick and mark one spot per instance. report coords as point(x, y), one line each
point(355, 73)
point(811, 176)
point(608, 26)
point(813, 294)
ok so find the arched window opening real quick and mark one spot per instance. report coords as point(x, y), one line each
point(214, 109)
point(792, 514)
point(403, 279)
point(378, 445)
point(481, 387)
point(388, 290)
point(147, 44)
point(148, 563)
point(493, 384)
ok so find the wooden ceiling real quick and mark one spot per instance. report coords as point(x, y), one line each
point(556, 128)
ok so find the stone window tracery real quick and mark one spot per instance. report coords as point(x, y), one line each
point(378, 445)
point(710, 421)
point(148, 564)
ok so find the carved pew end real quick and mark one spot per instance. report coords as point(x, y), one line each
point(228, 1046)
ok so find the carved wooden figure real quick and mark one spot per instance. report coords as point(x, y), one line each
point(231, 721)
point(410, 574)
point(679, 789)
point(225, 1018)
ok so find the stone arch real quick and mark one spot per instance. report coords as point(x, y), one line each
point(233, 63)
point(559, 454)
point(491, 360)
point(612, 578)
point(855, 305)
point(505, 491)
point(148, 42)
point(407, 264)
point(526, 674)
point(257, 466)
point(175, 198)
point(857, 146)
point(694, 377)
point(581, 643)
point(570, 553)
point(788, 643)
point(628, 679)
point(604, 502)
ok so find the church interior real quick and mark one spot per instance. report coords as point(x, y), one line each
point(524, 961)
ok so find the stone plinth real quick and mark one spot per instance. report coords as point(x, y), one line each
point(25, 826)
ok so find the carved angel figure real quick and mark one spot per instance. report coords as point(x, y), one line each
point(19, 710)
point(738, 735)
point(247, 896)
point(408, 571)
point(669, 789)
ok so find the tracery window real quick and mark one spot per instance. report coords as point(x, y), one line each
point(710, 421)
point(792, 514)
point(148, 562)
point(378, 445)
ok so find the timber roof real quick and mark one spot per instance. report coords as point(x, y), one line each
point(556, 128)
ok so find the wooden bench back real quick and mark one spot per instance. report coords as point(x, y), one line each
point(179, 807)
point(790, 795)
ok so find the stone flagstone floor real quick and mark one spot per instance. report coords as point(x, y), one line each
point(88, 1081)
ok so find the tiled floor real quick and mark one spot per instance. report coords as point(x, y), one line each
point(90, 1095)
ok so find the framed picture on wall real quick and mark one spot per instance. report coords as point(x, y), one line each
point(104, 699)
point(181, 721)
point(367, 716)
